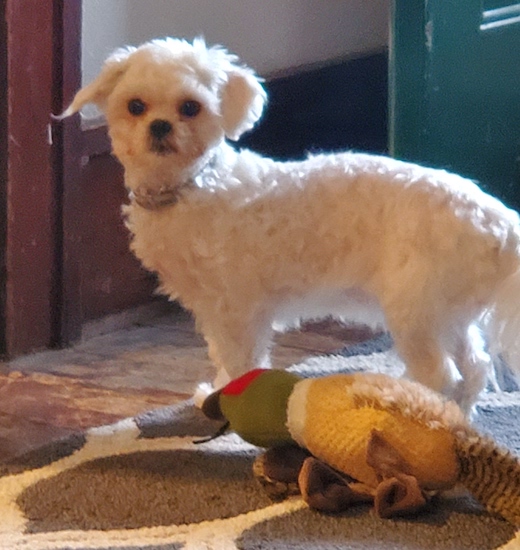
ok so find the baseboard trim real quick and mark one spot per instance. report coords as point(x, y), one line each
point(338, 106)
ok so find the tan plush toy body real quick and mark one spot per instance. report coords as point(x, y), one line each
point(365, 437)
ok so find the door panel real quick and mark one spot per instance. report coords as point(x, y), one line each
point(455, 89)
point(111, 278)
point(100, 276)
point(497, 13)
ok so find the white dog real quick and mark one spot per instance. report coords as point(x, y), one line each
point(244, 241)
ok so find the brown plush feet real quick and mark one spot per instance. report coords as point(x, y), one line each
point(289, 470)
point(397, 496)
point(398, 493)
point(326, 490)
point(277, 470)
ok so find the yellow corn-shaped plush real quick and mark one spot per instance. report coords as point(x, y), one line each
point(338, 418)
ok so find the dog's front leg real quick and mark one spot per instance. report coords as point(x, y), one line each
point(234, 348)
point(236, 344)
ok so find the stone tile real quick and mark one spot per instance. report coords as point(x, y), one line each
point(315, 343)
point(45, 361)
point(154, 363)
point(68, 403)
point(143, 315)
point(18, 435)
point(127, 339)
point(172, 317)
point(176, 370)
point(310, 342)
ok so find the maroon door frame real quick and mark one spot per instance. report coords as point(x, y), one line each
point(32, 31)
point(64, 257)
point(3, 172)
point(69, 152)
point(40, 167)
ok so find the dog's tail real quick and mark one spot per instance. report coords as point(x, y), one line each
point(504, 323)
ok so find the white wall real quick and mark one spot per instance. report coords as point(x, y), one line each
point(268, 35)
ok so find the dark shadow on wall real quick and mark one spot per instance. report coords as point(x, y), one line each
point(337, 107)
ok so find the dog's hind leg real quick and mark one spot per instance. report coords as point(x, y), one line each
point(421, 348)
point(474, 364)
point(452, 361)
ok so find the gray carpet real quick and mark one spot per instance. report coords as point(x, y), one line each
point(142, 483)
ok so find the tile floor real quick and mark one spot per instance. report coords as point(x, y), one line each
point(151, 363)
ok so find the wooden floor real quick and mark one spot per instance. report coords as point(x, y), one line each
point(149, 364)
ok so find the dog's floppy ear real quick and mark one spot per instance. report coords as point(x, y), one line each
point(242, 102)
point(99, 89)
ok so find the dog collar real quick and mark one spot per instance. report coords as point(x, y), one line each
point(168, 196)
point(160, 199)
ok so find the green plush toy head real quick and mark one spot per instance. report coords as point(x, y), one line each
point(255, 405)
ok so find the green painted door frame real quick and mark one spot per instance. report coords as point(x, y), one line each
point(455, 89)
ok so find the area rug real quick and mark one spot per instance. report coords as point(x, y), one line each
point(142, 483)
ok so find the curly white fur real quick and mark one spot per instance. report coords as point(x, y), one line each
point(247, 241)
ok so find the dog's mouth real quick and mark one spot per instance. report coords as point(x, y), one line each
point(162, 147)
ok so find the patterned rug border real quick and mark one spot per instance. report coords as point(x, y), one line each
point(174, 428)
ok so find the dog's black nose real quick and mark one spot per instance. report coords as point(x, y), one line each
point(160, 128)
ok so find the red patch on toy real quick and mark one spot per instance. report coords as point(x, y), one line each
point(237, 386)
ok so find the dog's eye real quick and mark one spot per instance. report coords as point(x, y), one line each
point(190, 108)
point(136, 107)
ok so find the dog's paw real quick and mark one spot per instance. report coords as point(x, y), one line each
point(201, 393)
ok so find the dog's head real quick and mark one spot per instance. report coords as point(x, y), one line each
point(168, 103)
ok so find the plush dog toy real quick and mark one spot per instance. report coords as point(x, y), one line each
point(247, 243)
point(343, 439)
